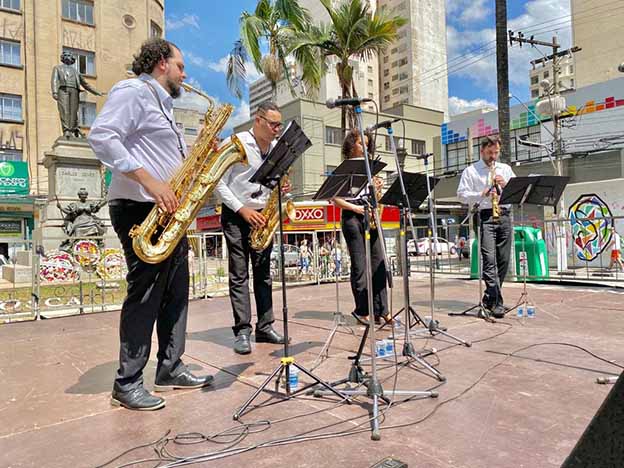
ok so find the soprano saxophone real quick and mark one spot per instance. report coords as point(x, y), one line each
point(494, 193)
point(159, 234)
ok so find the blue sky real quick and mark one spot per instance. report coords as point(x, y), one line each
point(206, 30)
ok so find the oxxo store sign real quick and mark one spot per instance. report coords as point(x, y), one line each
point(321, 217)
point(14, 178)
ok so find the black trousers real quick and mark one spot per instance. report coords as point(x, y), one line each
point(353, 231)
point(496, 241)
point(236, 231)
point(156, 294)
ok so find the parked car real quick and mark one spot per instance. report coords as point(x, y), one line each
point(422, 247)
point(291, 255)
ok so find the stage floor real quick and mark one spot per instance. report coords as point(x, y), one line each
point(494, 410)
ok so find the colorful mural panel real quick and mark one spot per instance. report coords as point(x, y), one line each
point(590, 219)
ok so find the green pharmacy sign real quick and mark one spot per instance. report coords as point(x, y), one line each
point(14, 178)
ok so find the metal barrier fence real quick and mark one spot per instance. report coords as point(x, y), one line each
point(39, 281)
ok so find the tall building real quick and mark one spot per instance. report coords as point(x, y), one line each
point(408, 68)
point(102, 35)
point(597, 30)
point(543, 70)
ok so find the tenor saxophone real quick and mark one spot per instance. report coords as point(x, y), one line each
point(159, 234)
point(260, 238)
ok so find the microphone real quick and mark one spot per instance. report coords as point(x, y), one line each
point(353, 101)
point(423, 156)
point(384, 124)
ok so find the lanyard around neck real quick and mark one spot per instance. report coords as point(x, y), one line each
point(162, 109)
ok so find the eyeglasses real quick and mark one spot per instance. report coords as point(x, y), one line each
point(273, 125)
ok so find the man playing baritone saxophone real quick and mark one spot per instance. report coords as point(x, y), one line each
point(135, 136)
point(476, 188)
point(242, 203)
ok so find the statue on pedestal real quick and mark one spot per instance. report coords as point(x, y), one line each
point(80, 221)
point(67, 82)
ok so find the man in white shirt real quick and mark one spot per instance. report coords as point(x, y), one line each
point(135, 136)
point(242, 203)
point(476, 188)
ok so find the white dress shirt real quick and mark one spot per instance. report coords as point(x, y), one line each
point(476, 178)
point(234, 188)
point(131, 132)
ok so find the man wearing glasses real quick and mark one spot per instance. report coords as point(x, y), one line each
point(242, 202)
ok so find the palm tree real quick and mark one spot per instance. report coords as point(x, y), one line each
point(353, 33)
point(273, 22)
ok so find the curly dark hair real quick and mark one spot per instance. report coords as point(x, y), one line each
point(349, 143)
point(152, 51)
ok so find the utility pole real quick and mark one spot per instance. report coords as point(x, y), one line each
point(553, 92)
point(502, 74)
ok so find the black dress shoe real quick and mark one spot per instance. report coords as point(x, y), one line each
point(138, 399)
point(183, 380)
point(499, 312)
point(269, 336)
point(242, 345)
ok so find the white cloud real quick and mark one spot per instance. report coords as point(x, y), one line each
point(221, 65)
point(241, 115)
point(544, 18)
point(468, 11)
point(458, 105)
point(173, 22)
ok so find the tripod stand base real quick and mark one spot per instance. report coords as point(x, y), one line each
point(277, 373)
point(475, 311)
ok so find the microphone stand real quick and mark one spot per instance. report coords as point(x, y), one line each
point(371, 381)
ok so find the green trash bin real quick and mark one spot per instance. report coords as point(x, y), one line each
point(534, 251)
point(531, 255)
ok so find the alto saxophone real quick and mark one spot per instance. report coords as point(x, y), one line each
point(260, 238)
point(377, 195)
point(159, 234)
point(494, 193)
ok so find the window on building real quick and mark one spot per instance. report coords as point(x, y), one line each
point(403, 76)
point(395, 77)
point(534, 79)
point(86, 114)
point(404, 89)
point(386, 85)
point(155, 30)
point(395, 91)
point(333, 136)
point(190, 131)
point(386, 72)
point(394, 50)
point(10, 4)
point(370, 69)
point(386, 98)
point(456, 154)
point(419, 147)
point(85, 60)
point(571, 69)
point(329, 170)
point(395, 64)
point(370, 96)
point(402, 62)
point(387, 144)
point(78, 10)
point(546, 73)
point(385, 59)
point(370, 83)
point(11, 155)
point(571, 82)
point(534, 93)
point(10, 53)
point(10, 107)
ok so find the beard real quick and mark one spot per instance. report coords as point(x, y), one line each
point(174, 88)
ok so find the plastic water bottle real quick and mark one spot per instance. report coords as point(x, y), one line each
point(397, 321)
point(389, 347)
point(520, 311)
point(530, 311)
point(293, 377)
point(381, 348)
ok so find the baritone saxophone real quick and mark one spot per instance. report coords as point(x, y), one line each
point(160, 233)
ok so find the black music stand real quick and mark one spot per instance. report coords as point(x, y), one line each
point(338, 185)
point(347, 181)
point(417, 191)
point(532, 190)
point(290, 146)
